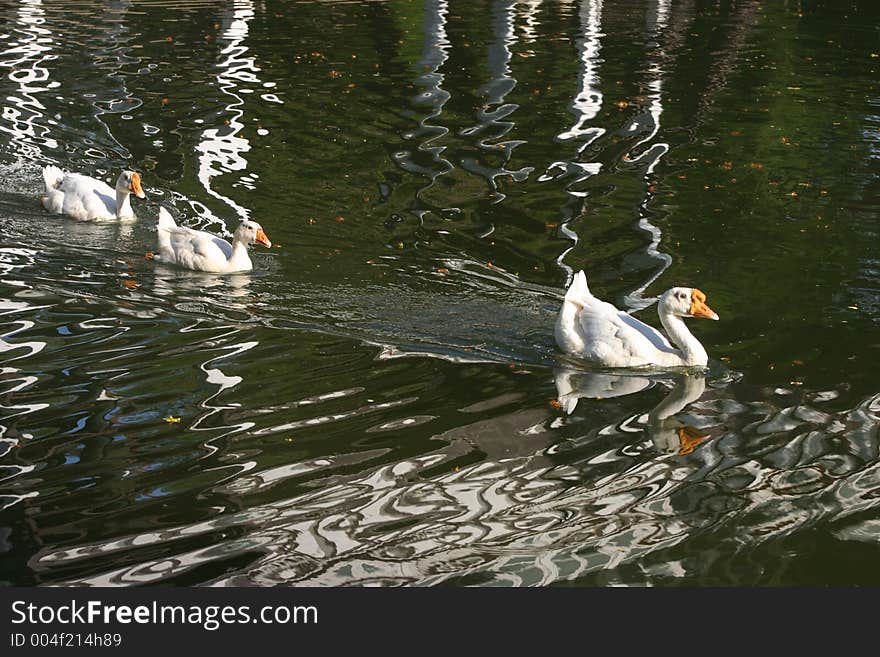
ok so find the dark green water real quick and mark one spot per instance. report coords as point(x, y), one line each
point(376, 402)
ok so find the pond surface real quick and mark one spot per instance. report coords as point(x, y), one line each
point(381, 402)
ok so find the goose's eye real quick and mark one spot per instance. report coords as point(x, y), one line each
point(681, 295)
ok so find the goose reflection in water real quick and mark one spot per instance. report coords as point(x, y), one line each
point(667, 431)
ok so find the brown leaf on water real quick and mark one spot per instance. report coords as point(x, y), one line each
point(335, 74)
point(785, 140)
point(756, 165)
point(443, 270)
point(131, 285)
point(339, 219)
point(555, 403)
point(164, 101)
point(793, 194)
point(551, 225)
point(727, 166)
point(622, 104)
point(312, 221)
point(169, 39)
point(735, 133)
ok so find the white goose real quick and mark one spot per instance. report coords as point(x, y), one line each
point(597, 331)
point(201, 251)
point(88, 199)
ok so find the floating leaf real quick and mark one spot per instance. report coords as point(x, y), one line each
point(170, 419)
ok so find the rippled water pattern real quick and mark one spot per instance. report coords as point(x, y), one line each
point(380, 402)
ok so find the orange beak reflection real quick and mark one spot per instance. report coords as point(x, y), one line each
point(262, 239)
point(136, 185)
point(699, 307)
point(690, 438)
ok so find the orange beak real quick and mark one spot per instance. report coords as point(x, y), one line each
point(136, 185)
point(699, 307)
point(262, 239)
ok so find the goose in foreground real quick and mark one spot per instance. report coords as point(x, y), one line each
point(88, 199)
point(201, 251)
point(600, 333)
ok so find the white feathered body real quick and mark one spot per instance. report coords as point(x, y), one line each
point(81, 197)
point(600, 333)
point(197, 249)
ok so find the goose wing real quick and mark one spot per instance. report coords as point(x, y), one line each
point(87, 198)
point(196, 249)
point(616, 338)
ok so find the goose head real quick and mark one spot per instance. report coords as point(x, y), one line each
point(129, 182)
point(250, 232)
point(686, 302)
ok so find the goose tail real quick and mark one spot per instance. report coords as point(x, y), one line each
point(578, 292)
point(53, 176)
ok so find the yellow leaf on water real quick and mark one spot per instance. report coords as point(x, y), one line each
point(170, 419)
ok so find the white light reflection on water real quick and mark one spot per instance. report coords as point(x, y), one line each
point(523, 519)
point(13, 379)
point(585, 107)
point(650, 156)
point(492, 116)
point(222, 150)
point(26, 57)
point(430, 82)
